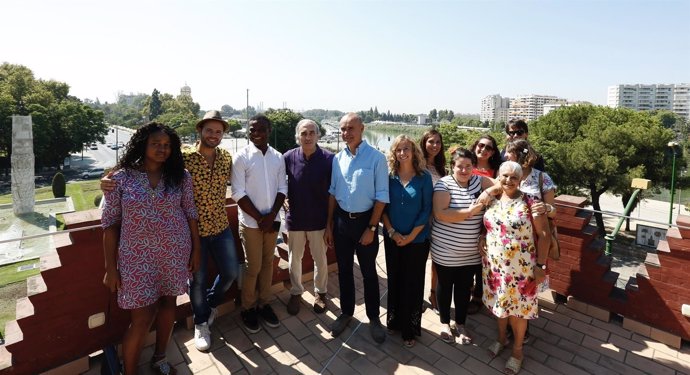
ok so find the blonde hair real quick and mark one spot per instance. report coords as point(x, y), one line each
point(418, 161)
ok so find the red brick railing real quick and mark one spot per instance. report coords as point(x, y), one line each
point(52, 324)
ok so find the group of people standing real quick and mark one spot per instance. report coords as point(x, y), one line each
point(164, 220)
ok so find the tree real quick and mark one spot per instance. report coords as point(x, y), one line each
point(62, 124)
point(155, 105)
point(598, 149)
point(433, 114)
point(227, 111)
point(283, 129)
point(59, 186)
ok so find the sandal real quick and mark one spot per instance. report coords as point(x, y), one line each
point(161, 366)
point(496, 348)
point(447, 335)
point(463, 335)
point(409, 343)
point(513, 366)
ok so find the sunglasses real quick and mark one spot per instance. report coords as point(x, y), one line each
point(513, 133)
point(482, 146)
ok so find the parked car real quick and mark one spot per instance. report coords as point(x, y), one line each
point(93, 173)
point(93, 146)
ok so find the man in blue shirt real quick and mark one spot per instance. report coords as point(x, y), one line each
point(308, 170)
point(358, 194)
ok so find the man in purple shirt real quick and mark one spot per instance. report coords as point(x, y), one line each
point(308, 170)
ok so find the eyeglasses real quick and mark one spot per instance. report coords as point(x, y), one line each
point(513, 133)
point(482, 146)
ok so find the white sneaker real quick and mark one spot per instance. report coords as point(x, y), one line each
point(202, 337)
point(212, 316)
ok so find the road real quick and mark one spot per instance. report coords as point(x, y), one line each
point(103, 157)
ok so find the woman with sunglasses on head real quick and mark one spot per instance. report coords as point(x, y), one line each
point(432, 149)
point(454, 240)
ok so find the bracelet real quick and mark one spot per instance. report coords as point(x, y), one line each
point(391, 232)
point(549, 208)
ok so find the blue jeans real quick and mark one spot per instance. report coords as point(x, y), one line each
point(222, 248)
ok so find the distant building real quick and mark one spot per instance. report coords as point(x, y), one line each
point(494, 108)
point(553, 106)
point(421, 119)
point(670, 97)
point(531, 107)
point(186, 90)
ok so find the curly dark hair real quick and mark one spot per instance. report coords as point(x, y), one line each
point(133, 157)
point(440, 158)
point(495, 159)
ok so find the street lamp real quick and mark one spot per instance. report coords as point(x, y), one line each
point(674, 149)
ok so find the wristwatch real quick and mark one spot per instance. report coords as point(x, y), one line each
point(373, 228)
point(542, 266)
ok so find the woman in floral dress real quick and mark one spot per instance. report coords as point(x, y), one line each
point(150, 239)
point(512, 265)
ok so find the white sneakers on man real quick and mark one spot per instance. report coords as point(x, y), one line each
point(202, 332)
point(202, 337)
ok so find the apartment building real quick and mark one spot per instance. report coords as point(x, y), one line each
point(670, 97)
point(531, 107)
point(494, 108)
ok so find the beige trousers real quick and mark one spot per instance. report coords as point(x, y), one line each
point(297, 241)
point(259, 251)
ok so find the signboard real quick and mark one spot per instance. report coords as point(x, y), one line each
point(649, 236)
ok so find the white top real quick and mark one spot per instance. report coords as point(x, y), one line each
point(260, 177)
point(455, 244)
point(530, 185)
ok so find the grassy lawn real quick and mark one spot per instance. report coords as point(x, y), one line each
point(13, 283)
point(12, 287)
point(81, 192)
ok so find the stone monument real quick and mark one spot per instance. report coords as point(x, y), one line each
point(23, 184)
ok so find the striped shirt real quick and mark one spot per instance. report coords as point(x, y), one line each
point(455, 244)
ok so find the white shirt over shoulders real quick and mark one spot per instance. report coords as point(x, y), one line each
point(260, 177)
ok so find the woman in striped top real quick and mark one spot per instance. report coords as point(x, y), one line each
point(454, 239)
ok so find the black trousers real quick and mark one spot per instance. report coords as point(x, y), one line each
point(406, 266)
point(347, 232)
point(454, 283)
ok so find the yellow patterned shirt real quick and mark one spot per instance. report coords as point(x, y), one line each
point(210, 187)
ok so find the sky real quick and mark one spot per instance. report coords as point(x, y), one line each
point(402, 56)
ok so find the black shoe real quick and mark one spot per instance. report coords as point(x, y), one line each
point(269, 317)
point(377, 332)
point(340, 324)
point(251, 320)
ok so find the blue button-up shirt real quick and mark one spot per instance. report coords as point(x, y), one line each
point(410, 206)
point(357, 181)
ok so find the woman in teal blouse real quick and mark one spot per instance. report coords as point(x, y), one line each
point(406, 237)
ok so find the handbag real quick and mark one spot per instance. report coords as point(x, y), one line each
point(555, 248)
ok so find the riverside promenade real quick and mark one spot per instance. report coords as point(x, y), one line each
point(563, 341)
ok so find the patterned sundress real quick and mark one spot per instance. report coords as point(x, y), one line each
point(508, 268)
point(155, 241)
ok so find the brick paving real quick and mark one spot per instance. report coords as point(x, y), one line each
point(564, 341)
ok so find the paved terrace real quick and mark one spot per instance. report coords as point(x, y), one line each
point(564, 341)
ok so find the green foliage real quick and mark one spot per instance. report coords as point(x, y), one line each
point(319, 115)
point(97, 200)
point(284, 121)
point(155, 105)
point(59, 185)
point(62, 124)
point(234, 125)
point(599, 149)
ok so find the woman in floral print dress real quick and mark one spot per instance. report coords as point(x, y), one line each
point(512, 265)
point(150, 239)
